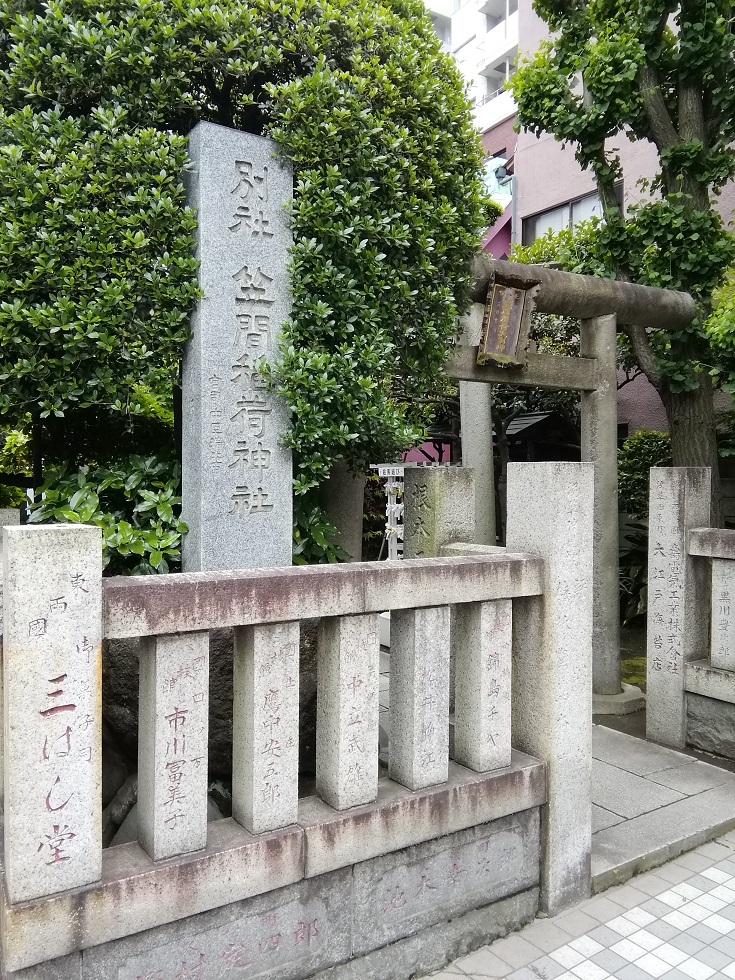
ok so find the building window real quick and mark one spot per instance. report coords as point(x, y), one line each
point(563, 216)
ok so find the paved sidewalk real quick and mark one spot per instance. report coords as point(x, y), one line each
point(674, 923)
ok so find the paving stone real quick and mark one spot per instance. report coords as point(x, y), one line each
point(715, 850)
point(633, 754)
point(703, 933)
point(605, 935)
point(576, 923)
point(651, 884)
point(516, 951)
point(546, 935)
point(602, 818)
point(628, 896)
point(610, 961)
point(656, 907)
point(631, 972)
point(627, 794)
point(546, 968)
point(687, 943)
point(602, 908)
point(673, 873)
point(663, 930)
point(694, 861)
point(714, 957)
point(693, 778)
point(699, 881)
point(726, 945)
point(485, 962)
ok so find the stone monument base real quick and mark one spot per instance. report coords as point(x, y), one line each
point(630, 699)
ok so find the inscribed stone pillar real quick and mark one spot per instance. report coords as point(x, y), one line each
point(550, 514)
point(600, 446)
point(481, 643)
point(439, 509)
point(347, 710)
point(172, 744)
point(265, 727)
point(236, 476)
point(678, 596)
point(7, 516)
point(53, 712)
point(722, 647)
point(419, 696)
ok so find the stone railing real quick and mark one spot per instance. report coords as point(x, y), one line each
point(65, 894)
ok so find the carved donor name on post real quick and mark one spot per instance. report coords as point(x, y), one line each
point(236, 476)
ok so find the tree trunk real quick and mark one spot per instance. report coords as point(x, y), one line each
point(692, 427)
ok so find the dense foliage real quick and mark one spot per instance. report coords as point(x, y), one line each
point(664, 72)
point(136, 503)
point(639, 452)
point(95, 268)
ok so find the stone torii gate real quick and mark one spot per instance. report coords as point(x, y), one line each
point(601, 305)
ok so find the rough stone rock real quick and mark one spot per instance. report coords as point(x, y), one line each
point(711, 725)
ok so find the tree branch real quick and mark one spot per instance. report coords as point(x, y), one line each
point(662, 130)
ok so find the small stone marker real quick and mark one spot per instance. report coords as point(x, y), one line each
point(419, 696)
point(439, 509)
point(347, 710)
point(53, 712)
point(723, 614)
point(172, 744)
point(481, 643)
point(265, 727)
point(677, 596)
point(236, 476)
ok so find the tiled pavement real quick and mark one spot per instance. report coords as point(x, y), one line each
point(674, 923)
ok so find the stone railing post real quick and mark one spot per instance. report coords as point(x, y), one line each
point(53, 712)
point(722, 649)
point(347, 710)
point(678, 596)
point(481, 644)
point(419, 696)
point(265, 727)
point(173, 730)
point(550, 514)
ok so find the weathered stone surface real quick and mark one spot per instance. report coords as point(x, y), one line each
point(439, 507)
point(136, 894)
point(53, 712)
point(207, 600)
point(400, 818)
point(347, 710)
point(481, 644)
point(599, 413)
point(550, 513)
point(236, 475)
point(711, 725)
point(711, 542)
point(284, 935)
point(399, 894)
point(419, 694)
point(265, 766)
point(701, 677)
point(8, 517)
point(678, 596)
point(722, 648)
point(172, 750)
point(419, 955)
point(65, 968)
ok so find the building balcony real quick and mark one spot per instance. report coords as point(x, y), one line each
point(497, 44)
point(493, 109)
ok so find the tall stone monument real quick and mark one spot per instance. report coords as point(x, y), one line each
point(236, 477)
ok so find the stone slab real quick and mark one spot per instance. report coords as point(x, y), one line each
point(65, 968)
point(439, 507)
point(52, 673)
point(702, 678)
point(400, 818)
point(695, 778)
point(203, 600)
point(419, 694)
point(236, 474)
point(347, 710)
point(629, 700)
point(402, 893)
point(602, 818)
point(678, 596)
point(541, 370)
point(711, 725)
point(430, 949)
point(136, 894)
point(722, 642)
point(654, 838)
point(265, 727)
point(550, 513)
point(172, 745)
point(633, 754)
point(284, 935)
point(711, 542)
point(626, 794)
